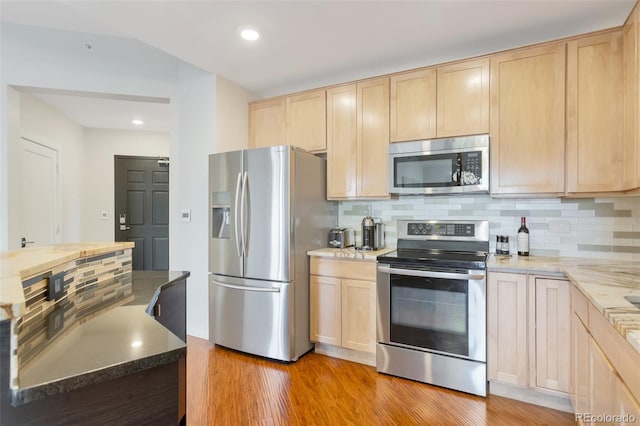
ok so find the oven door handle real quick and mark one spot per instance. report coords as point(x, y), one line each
point(432, 274)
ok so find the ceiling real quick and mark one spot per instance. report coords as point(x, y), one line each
point(306, 44)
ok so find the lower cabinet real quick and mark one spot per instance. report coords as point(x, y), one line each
point(528, 328)
point(343, 303)
point(598, 392)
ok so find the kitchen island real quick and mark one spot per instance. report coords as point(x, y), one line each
point(87, 353)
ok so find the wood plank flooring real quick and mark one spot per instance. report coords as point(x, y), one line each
point(225, 387)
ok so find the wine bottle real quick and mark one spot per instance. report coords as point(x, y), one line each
point(523, 238)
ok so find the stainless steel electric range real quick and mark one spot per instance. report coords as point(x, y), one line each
point(432, 324)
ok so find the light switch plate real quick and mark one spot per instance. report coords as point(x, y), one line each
point(104, 215)
point(185, 215)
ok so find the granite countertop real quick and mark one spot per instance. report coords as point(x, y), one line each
point(350, 253)
point(17, 265)
point(110, 344)
point(604, 282)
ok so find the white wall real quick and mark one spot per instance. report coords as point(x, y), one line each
point(48, 126)
point(100, 147)
point(232, 116)
point(193, 141)
point(38, 57)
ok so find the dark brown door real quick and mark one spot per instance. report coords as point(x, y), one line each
point(142, 209)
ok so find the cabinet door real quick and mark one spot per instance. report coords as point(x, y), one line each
point(507, 328)
point(341, 141)
point(527, 121)
point(602, 392)
point(325, 309)
point(373, 138)
point(552, 334)
point(463, 98)
point(267, 123)
point(307, 120)
point(631, 78)
point(580, 365)
point(359, 315)
point(627, 406)
point(413, 106)
point(595, 114)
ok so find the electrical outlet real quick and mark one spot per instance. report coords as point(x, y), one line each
point(185, 215)
point(560, 226)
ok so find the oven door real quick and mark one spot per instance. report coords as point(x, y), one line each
point(435, 311)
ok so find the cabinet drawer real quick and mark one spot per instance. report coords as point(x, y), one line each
point(580, 305)
point(354, 269)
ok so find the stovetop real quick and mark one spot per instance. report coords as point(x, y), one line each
point(440, 244)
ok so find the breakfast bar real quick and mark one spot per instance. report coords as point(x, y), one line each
point(80, 344)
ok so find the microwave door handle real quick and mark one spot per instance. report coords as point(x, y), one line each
point(459, 171)
point(432, 274)
point(238, 215)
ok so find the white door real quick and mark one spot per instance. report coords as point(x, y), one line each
point(38, 193)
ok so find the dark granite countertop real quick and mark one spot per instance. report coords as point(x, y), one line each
point(109, 344)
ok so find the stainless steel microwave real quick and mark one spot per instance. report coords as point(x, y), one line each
point(440, 166)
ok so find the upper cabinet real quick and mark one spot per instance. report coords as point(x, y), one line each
point(452, 100)
point(413, 105)
point(631, 95)
point(463, 98)
point(267, 123)
point(528, 121)
point(358, 139)
point(595, 144)
point(307, 120)
point(298, 120)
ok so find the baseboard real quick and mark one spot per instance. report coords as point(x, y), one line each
point(347, 354)
point(555, 400)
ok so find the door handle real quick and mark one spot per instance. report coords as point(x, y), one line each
point(432, 274)
point(238, 215)
point(24, 242)
point(243, 218)
point(246, 288)
point(124, 227)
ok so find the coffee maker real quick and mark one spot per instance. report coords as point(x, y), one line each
point(368, 233)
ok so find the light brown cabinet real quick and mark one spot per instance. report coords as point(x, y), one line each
point(463, 98)
point(631, 95)
point(527, 123)
point(343, 303)
point(307, 120)
point(528, 327)
point(267, 123)
point(452, 100)
point(358, 139)
point(298, 120)
point(413, 105)
point(552, 333)
point(601, 362)
point(507, 353)
point(595, 144)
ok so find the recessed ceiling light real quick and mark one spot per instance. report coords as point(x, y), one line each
point(137, 122)
point(250, 34)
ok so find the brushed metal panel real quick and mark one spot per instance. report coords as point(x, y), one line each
point(253, 321)
point(268, 225)
point(224, 170)
point(440, 370)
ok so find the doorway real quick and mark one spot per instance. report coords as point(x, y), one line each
point(39, 193)
point(142, 209)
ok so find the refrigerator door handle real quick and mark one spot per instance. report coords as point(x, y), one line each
point(237, 218)
point(247, 288)
point(243, 207)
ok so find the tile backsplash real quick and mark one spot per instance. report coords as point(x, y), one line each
point(581, 227)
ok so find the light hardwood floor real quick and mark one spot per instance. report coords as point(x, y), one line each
point(225, 387)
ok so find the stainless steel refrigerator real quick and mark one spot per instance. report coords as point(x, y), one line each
point(267, 209)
